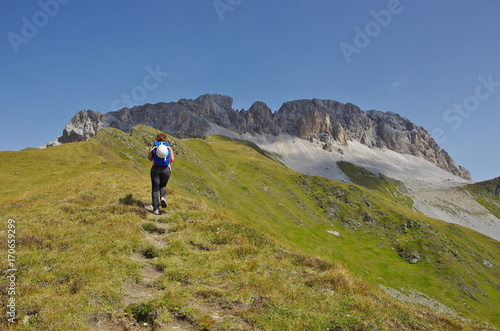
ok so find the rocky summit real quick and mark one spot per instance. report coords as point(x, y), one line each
point(328, 121)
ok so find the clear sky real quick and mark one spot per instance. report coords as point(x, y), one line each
point(434, 62)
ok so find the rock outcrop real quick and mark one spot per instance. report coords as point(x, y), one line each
point(327, 121)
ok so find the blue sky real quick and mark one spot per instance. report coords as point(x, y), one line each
point(434, 62)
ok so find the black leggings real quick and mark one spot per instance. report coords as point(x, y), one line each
point(159, 179)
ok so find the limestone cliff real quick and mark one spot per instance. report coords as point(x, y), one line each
point(327, 121)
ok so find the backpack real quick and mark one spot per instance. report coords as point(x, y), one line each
point(161, 149)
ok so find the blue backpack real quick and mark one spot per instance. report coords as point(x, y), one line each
point(157, 160)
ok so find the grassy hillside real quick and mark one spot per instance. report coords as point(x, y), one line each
point(487, 193)
point(393, 187)
point(245, 244)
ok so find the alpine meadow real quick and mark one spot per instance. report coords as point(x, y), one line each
point(246, 243)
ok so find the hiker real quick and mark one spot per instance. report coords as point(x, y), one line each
point(161, 154)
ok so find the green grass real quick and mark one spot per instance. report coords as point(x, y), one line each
point(393, 187)
point(245, 244)
point(487, 193)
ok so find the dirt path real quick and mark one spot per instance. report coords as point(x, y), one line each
point(144, 289)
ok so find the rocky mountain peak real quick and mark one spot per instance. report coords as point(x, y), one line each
point(327, 121)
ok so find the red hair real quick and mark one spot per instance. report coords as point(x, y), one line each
point(161, 137)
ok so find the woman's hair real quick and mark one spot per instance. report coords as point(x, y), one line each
point(161, 137)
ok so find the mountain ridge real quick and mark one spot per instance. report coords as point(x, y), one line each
point(328, 121)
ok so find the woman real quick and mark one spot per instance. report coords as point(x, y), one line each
point(161, 154)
